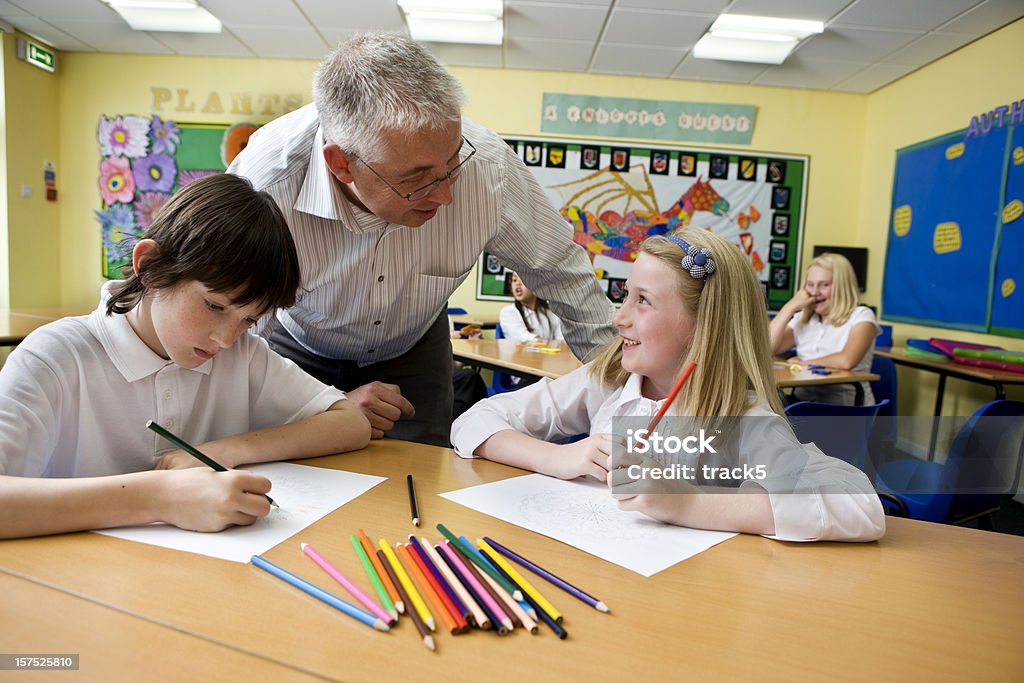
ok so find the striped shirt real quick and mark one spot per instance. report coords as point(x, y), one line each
point(371, 289)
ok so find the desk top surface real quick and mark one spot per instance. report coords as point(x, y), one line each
point(747, 609)
point(18, 323)
point(950, 367)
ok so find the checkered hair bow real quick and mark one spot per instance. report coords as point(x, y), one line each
point(697, 262)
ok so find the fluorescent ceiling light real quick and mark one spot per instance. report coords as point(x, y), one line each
point(746, 38)
point(166, 15)
point(454, 21)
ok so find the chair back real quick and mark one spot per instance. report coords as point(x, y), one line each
point(457, 310)
point(501, 381)
point(885, 388)
point(841, 431)
point(884, 337)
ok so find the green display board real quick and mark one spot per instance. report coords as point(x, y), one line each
point(615, 196)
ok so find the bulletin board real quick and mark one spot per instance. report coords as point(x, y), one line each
point(615, 196)
point(143, 161)
point(955, 256)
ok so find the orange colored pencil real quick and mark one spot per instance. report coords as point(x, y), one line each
point(426, 589)
point(389, 586)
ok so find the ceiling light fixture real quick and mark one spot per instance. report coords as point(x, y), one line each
point(454, 21)
point(183, 16)
point(747, 38)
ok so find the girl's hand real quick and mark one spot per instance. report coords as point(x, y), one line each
point(200, 499)
point(177, 460)
point(801, 300)
point(585, 458)
point(671, 508)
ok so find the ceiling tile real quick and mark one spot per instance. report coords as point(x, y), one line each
point(987, 17)
point(353, 15)
point(844, 43)
point(8, 11)
point(221, 44)
point(874, 77)
point(663, 29)
point(808, 73)
point(51, 35)
point(636, 60)
point(929, 48)
point(112, 36)
point(700, 6)
point(554, 22)
point(453, 54)
point(548, 55)
point(817, 10)
point(718, 70)
point(904, 14)
point(257, 12)
point(281, 42)
point(83, 10)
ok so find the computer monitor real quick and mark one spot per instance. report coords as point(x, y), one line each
point(857, 256)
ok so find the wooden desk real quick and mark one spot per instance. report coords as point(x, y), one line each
point(482, 322)
point(948, 368)
point(928, 602)
point(805, 378)
point(506, 355)
point(18, 323)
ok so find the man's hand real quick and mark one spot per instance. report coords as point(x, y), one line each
point(383, 405)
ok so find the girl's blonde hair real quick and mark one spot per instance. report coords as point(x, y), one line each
point(730, 342)
point(844, 288)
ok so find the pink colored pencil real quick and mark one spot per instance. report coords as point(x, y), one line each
point(453, 581)
point(346, 583)
point(477, 586)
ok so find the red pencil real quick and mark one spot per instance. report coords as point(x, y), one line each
point(687, 371)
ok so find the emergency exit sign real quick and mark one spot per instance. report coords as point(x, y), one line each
point(37, 55)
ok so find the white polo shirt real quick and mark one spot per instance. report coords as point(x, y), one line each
point(75, 397)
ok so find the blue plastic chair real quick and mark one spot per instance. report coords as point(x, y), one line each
point(884, 338)
point(981, 470)
point(457, 310)
point(841, 431)
point(501, 381)
point(884, 434)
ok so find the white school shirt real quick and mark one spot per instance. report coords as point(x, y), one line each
point(75, 397)
point(545, 326)
point(371, 289)
point(817, 339)
point(833, 499)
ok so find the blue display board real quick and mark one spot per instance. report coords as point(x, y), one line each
point(955, 254)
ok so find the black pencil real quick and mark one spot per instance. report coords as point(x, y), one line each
point(194, 452)
point(412, 501)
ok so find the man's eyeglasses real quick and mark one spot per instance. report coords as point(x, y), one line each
point(424, 191)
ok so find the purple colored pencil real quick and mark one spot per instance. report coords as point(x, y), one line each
point(438, 576)
point(545, 574)
point(455, 562)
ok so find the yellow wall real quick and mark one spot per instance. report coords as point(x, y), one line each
point(33, 226)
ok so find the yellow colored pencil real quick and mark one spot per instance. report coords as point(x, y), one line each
point(518, 578)
point(414, 595)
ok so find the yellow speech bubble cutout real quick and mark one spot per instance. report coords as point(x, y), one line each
point(946, 238)
point(1018, 156)
point(1012, 211)
point(955, 151)
point(1008, 287)
point(901, 220)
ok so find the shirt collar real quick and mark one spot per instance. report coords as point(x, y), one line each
point(126, 350)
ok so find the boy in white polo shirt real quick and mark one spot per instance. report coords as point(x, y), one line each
point(170, 344)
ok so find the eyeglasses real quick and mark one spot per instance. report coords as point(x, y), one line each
point(424, 191)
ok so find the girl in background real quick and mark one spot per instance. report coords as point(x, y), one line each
point(529, 319)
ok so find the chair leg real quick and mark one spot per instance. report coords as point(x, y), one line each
point(985, 523)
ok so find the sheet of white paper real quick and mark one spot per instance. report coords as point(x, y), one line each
point(304, 494)
point(584, 515)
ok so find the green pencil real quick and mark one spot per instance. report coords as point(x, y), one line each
point(371, 573)
point(472, 555)
point(194, 452)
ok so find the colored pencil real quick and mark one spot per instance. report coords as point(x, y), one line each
point(519, 580)
point(467, 550)
point(413, 507)
point(687, 371)
point(346, 583)
point(421, 576)
point(421, 628)
point(551, 622)
point(525, 611)
point(371, 573)
point(476, 551)
point(402, 553)
point(475, 616)
point(320, 594)
point(500, 604)
point(458, 566)
point(545, 574)
point(446, 592)
point(513, 609)
point(384, 579)
point(410, 590)
point(499, 619)
point(194, 452)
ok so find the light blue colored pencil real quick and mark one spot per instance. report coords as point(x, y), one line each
point(320, 594)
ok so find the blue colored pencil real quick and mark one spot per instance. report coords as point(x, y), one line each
point(527, 607)
point(320, 594)
point(553, 624)
point(544, 573)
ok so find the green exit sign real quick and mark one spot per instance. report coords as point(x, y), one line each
point(37, 55)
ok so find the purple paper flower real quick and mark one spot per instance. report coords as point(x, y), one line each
point(186, 176)
point(123, 136)
point(166, 135)
point(146, 206)
point(155, 173)
point(117, 225)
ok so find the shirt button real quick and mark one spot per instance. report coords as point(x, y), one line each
point(170, 423)
point(167, 394)
point(376, 322)
point(370, 351)
point(380, 278)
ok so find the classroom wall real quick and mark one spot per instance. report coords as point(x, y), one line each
point(32, 224)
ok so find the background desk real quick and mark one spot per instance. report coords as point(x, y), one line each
point(928, 602)
point(18, 323)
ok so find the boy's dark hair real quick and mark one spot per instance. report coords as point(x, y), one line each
point(222, 232)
